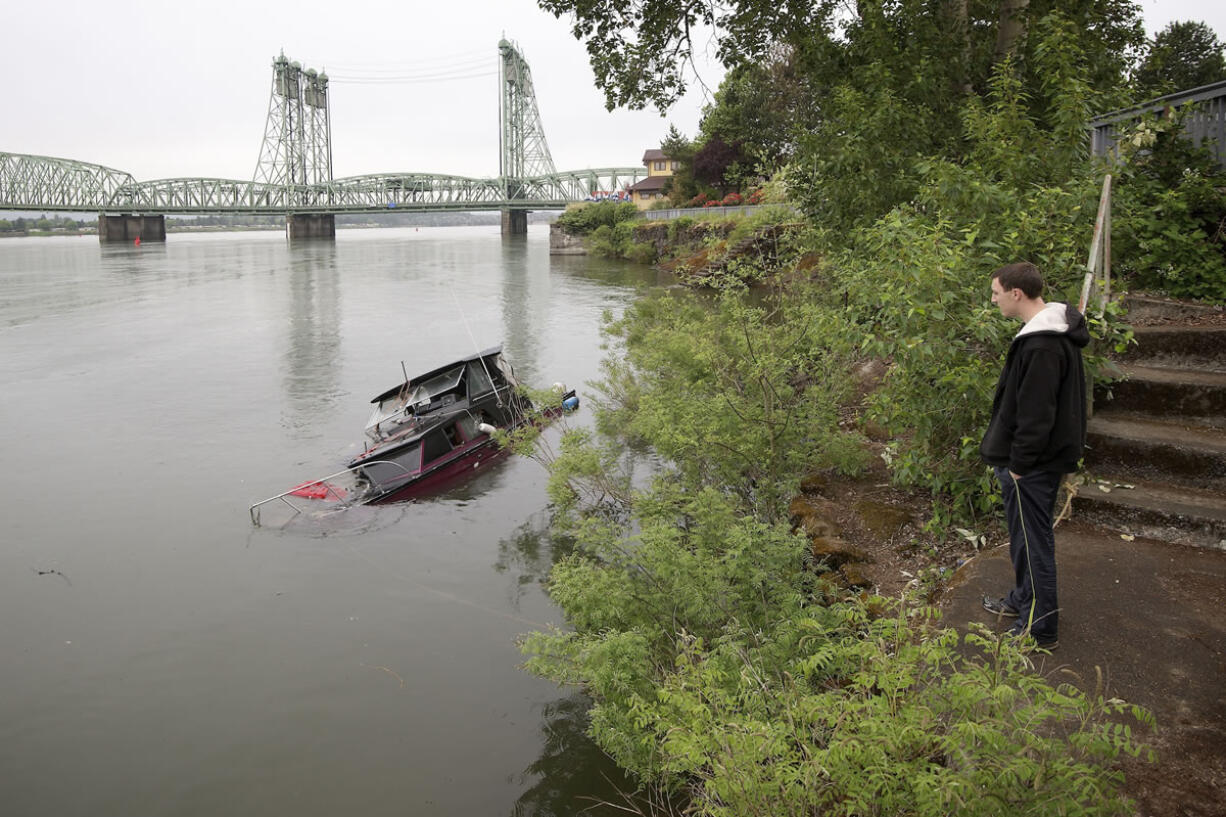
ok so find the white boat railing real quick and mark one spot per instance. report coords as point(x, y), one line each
point(331, 492)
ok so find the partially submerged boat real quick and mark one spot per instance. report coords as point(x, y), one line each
point(428, 433)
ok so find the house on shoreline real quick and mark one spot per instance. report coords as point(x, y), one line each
point(659, 171)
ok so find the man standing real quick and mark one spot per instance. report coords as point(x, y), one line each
point(1035, 436)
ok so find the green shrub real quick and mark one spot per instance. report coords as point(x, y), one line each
point(587, 218)
point(722, 670)
point(719, 669)
point(1169, 229)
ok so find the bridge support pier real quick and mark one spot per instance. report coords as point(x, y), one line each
point(128, 227)
point(514, 222)
point(304, 226)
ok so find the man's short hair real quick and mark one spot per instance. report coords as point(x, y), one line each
point(1022, 275)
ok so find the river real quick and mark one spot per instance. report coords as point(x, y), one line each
point(162, 655)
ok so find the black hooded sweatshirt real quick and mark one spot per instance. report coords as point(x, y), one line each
point(1039, 412)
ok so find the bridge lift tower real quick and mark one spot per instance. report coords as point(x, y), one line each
point(297, 148)
point(524, 152)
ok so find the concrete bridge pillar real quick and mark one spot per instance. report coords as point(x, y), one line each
point(302, 226)
point(514, 222)
point(128, 227)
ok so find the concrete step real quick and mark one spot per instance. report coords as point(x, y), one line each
point(1147, 448)
point(1142, 308)
point(1186, 347)
point(1177, 514)
point(1191, 395)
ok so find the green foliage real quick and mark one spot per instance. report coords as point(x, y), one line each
point(1182, 56)
point(912, 287)
point(718, 163)
point(851, 176)
point(649, 67)
point(718, 668)
point(678, 148)
point(1170, 213)
point(590, 217)
point(761, 107)
point(618, 242)
point(729, 394)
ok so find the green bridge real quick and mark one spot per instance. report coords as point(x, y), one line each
point(294, 173)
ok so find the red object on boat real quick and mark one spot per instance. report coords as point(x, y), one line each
point(317, 490)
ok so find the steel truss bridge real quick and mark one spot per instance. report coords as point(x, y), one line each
point(294, 173)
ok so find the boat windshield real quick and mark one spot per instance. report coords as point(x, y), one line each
point(478, 380)
point(398, 410)
point(439, 384)
point(387, 418)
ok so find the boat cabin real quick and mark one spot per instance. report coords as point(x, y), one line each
point(459, 387)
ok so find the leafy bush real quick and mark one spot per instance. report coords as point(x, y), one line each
point(724, 670)
point(1170, 213)
point(912, 288)
point(727, 393)
point(721, 669)
point(589, 217)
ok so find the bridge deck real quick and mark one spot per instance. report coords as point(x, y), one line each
point(50, 184)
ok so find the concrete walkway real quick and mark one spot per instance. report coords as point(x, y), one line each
point(1152, 616)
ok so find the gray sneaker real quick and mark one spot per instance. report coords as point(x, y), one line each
point(999, 607)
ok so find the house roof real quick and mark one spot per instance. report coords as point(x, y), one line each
point(653, 154)
point(650, 183)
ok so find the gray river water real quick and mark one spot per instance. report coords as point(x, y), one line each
point(163, 656)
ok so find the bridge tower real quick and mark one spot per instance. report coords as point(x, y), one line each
point(524, 152)
point(297, 148)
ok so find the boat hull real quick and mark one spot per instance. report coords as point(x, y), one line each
point(445, 475)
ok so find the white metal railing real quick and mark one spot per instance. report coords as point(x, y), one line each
point(331, 492)
point(1098, 266)
point(743, 209)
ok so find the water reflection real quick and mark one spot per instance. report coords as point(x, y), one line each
point(313, 340)
point(525, 309)
point(572, 775)
point(532, 550)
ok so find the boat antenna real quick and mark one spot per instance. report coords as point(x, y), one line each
point(476, 347)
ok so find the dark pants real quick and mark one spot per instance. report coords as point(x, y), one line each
point(1030, 503)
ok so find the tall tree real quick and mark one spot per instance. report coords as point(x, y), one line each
point(1011, 28)
point(713, 161)
point(641, 51)
point(886, 83)
point(681, 186)
point(763, 107)
point(1183, 55)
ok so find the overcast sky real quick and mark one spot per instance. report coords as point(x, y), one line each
point(163, 90)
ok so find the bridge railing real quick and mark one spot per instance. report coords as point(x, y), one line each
point(1206, 122)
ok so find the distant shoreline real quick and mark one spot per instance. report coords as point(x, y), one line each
point(251, 228)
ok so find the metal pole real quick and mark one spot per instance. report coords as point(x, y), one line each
point(1106, 295)
point(1095, 245)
